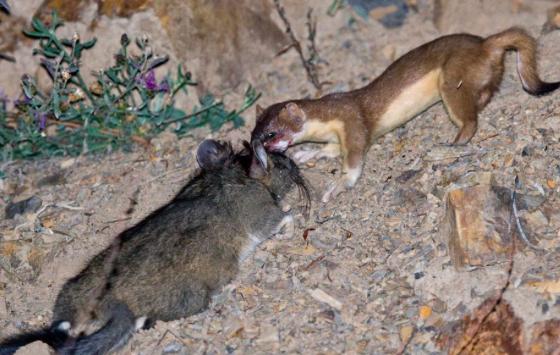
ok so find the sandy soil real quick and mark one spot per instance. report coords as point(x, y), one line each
point(377, 249)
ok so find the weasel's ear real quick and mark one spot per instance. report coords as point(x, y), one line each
point(212, 154)
point(259, 110)
point(295, 112)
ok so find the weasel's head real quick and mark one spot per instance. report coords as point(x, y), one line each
point(278, 126)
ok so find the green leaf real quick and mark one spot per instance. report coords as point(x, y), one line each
point(38, 25)
point(56, 104)
point(35, 34)
point(89, 44)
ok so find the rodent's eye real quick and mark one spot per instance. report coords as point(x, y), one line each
point(270, 135)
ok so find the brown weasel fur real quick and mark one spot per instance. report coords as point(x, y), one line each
point(461, 70)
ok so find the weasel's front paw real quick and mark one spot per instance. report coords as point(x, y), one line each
point(334, 189)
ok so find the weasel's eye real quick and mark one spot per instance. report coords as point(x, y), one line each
point(270, 135)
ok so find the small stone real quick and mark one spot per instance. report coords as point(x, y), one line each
point(35, 348)
point(269, 334)
point(173, 347)
point(51, 180)
point(406, 333)
point(389, 52)
point(29, 205)
point(536, 219)
point(424, 312)
point(324, 297)
point(551, 184)
point(67, 163)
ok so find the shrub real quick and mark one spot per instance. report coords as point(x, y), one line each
point(125, 105)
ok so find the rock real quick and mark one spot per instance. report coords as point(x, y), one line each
point(172, 348)
point(391, 13)
point(406, 333)
point(479, 223)
point(552, 20)
point(545, 338)
point(492, 328)
point(407, 175)
point(324, 297)
point(65, 164)
point(57, 178)
point(461, 16)
point(424, 312)
point(35, 348)
point(536, 219)
point(268, 334)
point(30, 205)
point(237, 35)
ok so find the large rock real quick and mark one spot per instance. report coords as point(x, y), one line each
point(220, 40)
point(479, 223)
point(452, 16)
point(228, 38)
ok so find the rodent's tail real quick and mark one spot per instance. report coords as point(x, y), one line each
point(112, 336)
point(54, 336)
point(519, 40)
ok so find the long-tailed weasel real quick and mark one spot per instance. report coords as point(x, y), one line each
point(461, 70)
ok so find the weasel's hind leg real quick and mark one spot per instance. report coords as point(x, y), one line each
point(462, 107)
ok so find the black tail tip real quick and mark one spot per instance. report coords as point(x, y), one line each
point(543, 89)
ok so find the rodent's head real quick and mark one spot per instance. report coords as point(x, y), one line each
point(276, 171)
point(278, 125)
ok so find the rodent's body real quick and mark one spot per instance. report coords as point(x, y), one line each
point(461, 70)
point(168, 265)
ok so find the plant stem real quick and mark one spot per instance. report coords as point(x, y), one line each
point(192, 114)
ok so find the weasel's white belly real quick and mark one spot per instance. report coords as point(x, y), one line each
point(411, 101)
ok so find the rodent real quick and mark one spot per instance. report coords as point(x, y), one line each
point(168, 265)
point(462, 70)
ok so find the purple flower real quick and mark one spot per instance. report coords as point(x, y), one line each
point(148, 80)
point(40, 119)
point(164, 86)
point(22, 102)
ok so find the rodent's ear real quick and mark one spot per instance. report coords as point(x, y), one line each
point(259, 110)
point(259, 162)
point(295, 112)
point(212, 154)
point(260, 153)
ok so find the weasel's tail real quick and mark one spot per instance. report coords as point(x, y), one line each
point(519, 40)
point(53, 336)
point(112, 336)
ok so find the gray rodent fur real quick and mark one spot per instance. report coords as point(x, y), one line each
point(167, 266)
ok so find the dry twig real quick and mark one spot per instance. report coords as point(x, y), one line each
point(308, 64)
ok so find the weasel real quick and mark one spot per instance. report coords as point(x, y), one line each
point(462, 70)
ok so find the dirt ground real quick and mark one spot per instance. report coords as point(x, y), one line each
point(378, 251)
